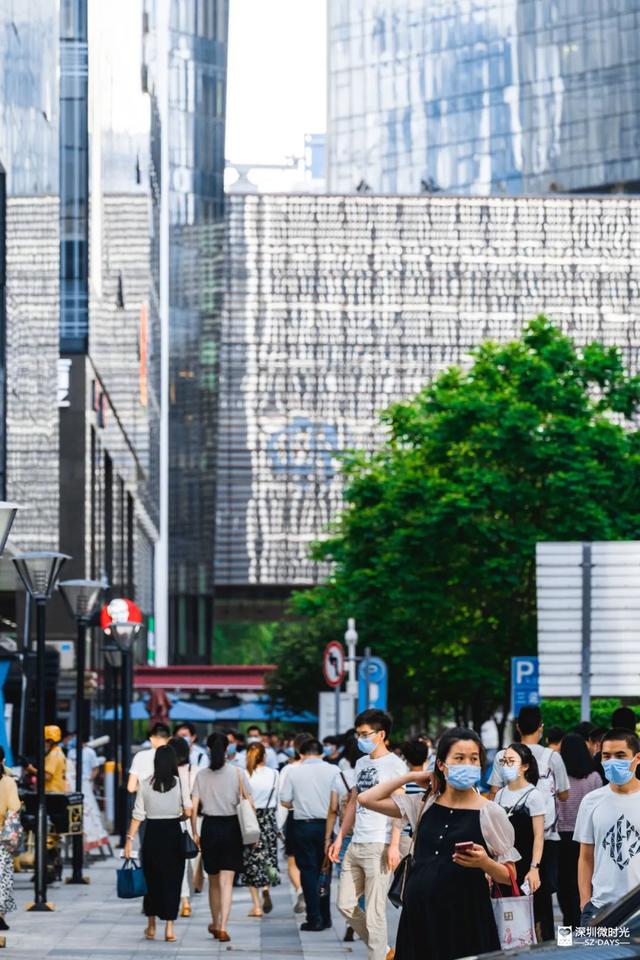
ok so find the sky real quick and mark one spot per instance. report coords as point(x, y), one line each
point(276, 82)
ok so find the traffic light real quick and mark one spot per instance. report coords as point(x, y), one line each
point(90, 684)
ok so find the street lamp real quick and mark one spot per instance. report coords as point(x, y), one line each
point(7, 516)
point(81, 598)
point(39, 573)
point(124, 634)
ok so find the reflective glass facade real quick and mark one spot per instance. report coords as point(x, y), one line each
point(338, 306)
point(193, 123)
point(483, 96)
point(29, 96)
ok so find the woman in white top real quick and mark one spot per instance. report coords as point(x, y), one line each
point(159, 801)
point(187, 772)
point(260, 866)
point(525, 806)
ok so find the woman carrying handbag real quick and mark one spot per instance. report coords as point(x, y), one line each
point(260, 867)
point(160, 802)
point(217, 794)
point(459, 838)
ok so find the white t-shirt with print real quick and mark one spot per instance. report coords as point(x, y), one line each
point(611, 822)
point(526, 798)
point(371, 827)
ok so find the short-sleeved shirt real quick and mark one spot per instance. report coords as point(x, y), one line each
point(142, 764)
point(578, 789)
point(308, 786)
point(611, 822)
point(55, 763)
point(527, 798)
point(264, 787)
point(372, 827)
point(219, 790)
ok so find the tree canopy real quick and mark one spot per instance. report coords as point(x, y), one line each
point(434, 551)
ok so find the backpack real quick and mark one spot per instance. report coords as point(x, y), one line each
point(547, 787)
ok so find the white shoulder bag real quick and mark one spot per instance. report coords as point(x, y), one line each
point(249, 826)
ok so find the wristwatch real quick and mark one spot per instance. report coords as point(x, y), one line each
point(535, 866)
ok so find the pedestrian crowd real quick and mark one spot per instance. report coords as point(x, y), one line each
point(429, 824)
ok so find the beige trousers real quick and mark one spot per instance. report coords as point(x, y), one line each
point(365, 870)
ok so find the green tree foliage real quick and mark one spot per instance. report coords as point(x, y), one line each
point(434, 553)
point(566, 713)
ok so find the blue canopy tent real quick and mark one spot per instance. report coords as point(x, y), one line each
point(264, 711)
point(138, 712)
point(185, 710)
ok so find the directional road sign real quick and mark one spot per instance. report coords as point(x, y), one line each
point(333, 663)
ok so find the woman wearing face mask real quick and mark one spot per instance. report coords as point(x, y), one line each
point(447, 909)
point(525, 806)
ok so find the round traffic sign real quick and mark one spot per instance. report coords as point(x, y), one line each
point(333, 663)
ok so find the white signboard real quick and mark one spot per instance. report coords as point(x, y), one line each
point(327, 714)
point(615, 618)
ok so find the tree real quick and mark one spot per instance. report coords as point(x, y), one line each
point(434, 552)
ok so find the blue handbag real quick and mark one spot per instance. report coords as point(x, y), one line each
point(131, 881)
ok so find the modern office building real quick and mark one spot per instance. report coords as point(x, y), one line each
point(489, 97)
point(185, 49)
point(338, 306)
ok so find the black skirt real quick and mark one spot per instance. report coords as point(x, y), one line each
point(221, 843)
point(289, 843)
point(163, 865)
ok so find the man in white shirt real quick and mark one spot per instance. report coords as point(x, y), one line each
point(307, 788)
point(373, 852)
point(142, 764)
point(553, 785)
point(255, 735)
point(608, 828)
point(198, 755)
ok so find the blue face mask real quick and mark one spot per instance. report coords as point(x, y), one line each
point(231, 750)
point(290, 752)
point(327, 750)
point(366, 745)
point(463, 776)
point(509, 774)
point(617, 771)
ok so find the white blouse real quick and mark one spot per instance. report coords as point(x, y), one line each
point(495, 825)
point(264, 787)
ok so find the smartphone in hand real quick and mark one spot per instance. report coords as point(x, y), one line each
point(464, 847)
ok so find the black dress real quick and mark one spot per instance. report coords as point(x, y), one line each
point(163, 865)
point(447, 909)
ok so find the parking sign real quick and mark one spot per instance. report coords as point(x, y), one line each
point(524, 683)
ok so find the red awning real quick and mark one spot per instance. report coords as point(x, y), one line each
point(228, 677)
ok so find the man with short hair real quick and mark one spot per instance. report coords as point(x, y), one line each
point(554, 738)
point(254, 735)
point(554, 785)
point(624, 718)
point(373, 853)
point(307, 789)
point(198, 756)
point(608, 828)
point(142, 764)
point(331, 750)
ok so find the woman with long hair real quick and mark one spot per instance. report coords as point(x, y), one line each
point(525, 806)
point(187, 772)
point(447, 909)
point(162, 804)
point(260, 866)
point(9, 803)
point(217, 793)
point(583, 778)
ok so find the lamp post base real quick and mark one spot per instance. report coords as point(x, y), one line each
point(40, 907)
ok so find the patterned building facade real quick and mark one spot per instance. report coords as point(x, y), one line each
point(489, 96)
point(338, 306)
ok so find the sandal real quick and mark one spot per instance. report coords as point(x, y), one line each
point(223, 936)
point(255, 913)
point(212, 930)
point(149, 933)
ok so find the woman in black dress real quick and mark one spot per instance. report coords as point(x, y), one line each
point(447, 910)
point(160, 802)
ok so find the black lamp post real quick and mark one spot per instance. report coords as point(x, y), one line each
point(81, 598)
point(123, 635)
point(7, 516)
point(40, 573)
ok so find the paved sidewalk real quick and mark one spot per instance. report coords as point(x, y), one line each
point(90, 922)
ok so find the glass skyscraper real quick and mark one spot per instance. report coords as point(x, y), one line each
point(483, 96)
point(185, 74)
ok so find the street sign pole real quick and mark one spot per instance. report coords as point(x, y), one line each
point(585, 685)
point(365, 666)
point(338, 710)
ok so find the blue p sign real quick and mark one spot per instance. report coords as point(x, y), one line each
point(524, 683)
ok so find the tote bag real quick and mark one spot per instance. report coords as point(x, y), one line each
point(249, 826)
point(514, 917)
point(130, 880)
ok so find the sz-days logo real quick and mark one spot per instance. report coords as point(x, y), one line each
point(565, 936)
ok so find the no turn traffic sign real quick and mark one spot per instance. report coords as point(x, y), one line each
point(333, 662)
